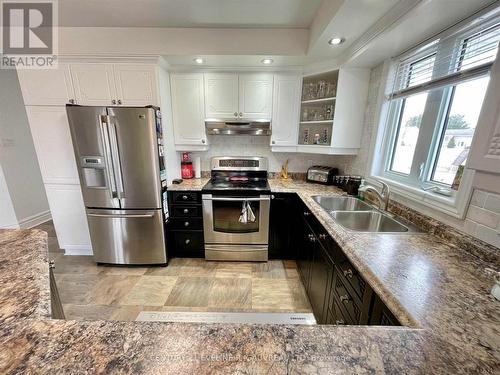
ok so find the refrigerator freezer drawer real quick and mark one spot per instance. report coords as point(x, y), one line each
point(127, 236)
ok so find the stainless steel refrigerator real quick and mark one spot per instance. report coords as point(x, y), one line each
point(119, 154)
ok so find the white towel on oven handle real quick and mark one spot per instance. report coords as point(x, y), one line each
point(247, 215)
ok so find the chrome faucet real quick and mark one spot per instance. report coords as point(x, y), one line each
point(382, 196)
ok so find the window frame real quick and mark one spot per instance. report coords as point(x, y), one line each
point(418, 185)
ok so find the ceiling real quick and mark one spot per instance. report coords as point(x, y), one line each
point(240, 33)
point(188, 13)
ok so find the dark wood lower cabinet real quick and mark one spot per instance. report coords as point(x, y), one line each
point(283, 222)
point(321, 273)
point(381, 315)
point(337, 292)
point(185, 227)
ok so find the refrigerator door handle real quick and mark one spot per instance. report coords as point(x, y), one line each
point(123, 216)
point(117, 165)
point(107, 157)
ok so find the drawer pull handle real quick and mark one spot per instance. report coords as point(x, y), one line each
point(348, 273)
point(339, 322)
point(185, 197)
point(186, 223)
point(345, 298)
point(186, 211)
point(187, 241)
point(306, 213)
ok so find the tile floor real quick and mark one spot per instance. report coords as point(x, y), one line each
point(91, 291)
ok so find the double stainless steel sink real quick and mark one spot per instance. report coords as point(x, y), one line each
point(356, 215)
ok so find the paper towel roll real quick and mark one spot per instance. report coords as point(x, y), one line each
point(197, 167)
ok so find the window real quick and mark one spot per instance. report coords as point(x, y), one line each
point(460, 124)
point(434, 101)
point(410, 118)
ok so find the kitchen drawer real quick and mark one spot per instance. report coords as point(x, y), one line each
point(345, 300)
point(351, 275)
point(188, 243)
point(186, 211)
point(336, 316)
point(186, 197)
point(186, 223)
point(381, 315)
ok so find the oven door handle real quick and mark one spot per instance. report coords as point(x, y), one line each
point(238, 199)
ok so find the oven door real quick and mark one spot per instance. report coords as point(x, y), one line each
point(221, 222)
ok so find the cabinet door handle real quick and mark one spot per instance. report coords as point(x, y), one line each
point(235, 114)
point(322, 236)
point(186, 223)
point(203, 141)
point(306, 213)
point(187, 241)
point(348, 273)
point(273, 142)
point(345, 298)
point(185, 197)
point(339, 322)
point(185, 211)
point(241, 114)
point(72, 101)
point(113, 101)
point(312, 238)
point(119, 101)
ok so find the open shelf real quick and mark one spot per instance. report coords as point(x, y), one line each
point(318, 100)
point(317, 122)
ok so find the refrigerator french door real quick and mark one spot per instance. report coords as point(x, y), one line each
point(119, 155)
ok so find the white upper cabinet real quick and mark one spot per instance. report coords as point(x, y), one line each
point(230, 95)
point(255, 95)
point(46, 86)
point(221, 95)
point(188, 111)
point(94, 84)
point(286, 111)
point(136, 85)
point(485, 149)
point(53, 145)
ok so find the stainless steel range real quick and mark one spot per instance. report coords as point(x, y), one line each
point(236, 204)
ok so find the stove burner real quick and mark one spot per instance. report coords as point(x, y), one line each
point(238, 179)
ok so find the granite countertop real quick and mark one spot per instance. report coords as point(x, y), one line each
point(193, 184)
point(440, 291)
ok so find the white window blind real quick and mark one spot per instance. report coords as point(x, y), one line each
point(457, 57)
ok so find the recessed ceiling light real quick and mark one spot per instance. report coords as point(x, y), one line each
point(199, 60)
point(336, 41)
point(267, 61)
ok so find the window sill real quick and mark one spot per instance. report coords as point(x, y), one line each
point(455, 206)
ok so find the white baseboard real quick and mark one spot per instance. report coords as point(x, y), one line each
point(34, 220)
point(10, 226)
point(77, 250)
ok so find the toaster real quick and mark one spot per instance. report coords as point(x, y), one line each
point(321, 175)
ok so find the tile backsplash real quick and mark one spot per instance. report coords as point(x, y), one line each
point(483, 217)
point(246, 145)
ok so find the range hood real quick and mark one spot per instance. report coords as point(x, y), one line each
point(238, 127)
